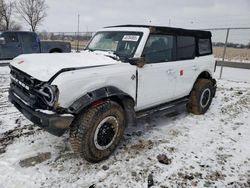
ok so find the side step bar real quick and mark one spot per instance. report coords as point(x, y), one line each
point(167, 108)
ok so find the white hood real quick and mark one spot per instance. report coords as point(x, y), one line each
point(44, 66)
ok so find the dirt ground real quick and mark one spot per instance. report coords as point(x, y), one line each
point(233, 54)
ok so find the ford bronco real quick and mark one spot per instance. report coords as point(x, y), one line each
point(124, 73)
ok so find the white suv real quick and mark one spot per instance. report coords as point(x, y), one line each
point(125, 72)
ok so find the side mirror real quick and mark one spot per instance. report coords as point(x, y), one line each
point(2, 41)
point(139, 62)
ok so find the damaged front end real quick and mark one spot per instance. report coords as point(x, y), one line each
point(38, 101)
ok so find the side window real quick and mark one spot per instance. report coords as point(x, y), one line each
point(185, 47)
point(204, 46)
point(28, 38)
point(10, 37)
point(159, 48)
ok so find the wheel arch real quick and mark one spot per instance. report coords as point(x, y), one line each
point(205, 75)
point(103, 94)
point(56, 50)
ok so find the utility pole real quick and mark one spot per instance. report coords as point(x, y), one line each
point(78, 32)
point(224, 52)
point(87, 32)
point(169, 22)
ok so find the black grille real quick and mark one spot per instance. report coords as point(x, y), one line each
point(24, 86)
point(22, 77)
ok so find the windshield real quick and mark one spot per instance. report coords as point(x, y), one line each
point(121, 43)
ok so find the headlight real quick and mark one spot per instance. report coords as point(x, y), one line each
point(49, 94)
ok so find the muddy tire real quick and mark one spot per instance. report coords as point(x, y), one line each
point(97, 131)
point(201, 97)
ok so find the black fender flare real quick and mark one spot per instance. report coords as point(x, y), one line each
point(207, 75)
point(107, 92)
point(203, 74)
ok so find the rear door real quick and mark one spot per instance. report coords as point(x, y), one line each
point(30, 43)
point(12, 47)
point(186, 65)
point(156, 79)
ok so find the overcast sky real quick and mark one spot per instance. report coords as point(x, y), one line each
point(199, 14)
point(62, 14)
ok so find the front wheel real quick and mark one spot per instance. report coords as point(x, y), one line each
point(201, 97)
point(97, 131)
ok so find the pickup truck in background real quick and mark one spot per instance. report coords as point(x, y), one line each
point(14, 43)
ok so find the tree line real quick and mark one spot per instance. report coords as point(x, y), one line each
point(231, 45)
point(31, 12)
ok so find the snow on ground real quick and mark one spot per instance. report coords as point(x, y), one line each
point(233, 74)
point(205, 151)
point(4, 62)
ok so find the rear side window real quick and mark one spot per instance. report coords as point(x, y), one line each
point(204, 46)
point(185, 47)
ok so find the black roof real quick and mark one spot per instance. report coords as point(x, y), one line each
point(172, 30)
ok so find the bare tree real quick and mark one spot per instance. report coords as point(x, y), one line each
point(32, 11)
point(1, 23)
point(6, 14)
point(15, 27)
point(1, 17)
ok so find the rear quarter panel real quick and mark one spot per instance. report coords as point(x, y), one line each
point(204, 64)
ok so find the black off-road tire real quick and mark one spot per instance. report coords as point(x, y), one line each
point(201, 97)
point(84, 135)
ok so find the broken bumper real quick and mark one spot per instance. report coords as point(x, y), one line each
point(55, 124)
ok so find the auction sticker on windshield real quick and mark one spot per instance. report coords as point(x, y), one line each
point(133, 38)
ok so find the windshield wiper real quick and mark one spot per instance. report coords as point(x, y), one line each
point(91, 50)
point(113, 55)
point(116, 57)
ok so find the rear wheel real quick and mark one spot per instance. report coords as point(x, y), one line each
point(201, 97)
point(97, 132)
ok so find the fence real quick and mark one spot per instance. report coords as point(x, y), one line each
point(231, 47)
point(78, 40)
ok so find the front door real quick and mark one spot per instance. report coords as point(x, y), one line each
point(12, 46)
point(156, 80)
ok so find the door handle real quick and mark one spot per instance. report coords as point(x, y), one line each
point(170, 71)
